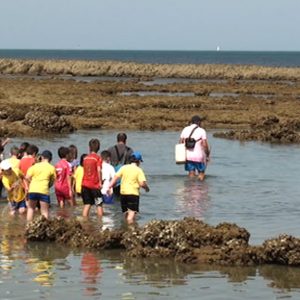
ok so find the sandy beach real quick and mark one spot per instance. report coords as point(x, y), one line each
point(63, 96)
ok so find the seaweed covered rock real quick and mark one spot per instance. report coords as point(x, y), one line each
point(48, 121)
point(268, 129)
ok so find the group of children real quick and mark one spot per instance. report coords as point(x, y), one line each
point(28, 176)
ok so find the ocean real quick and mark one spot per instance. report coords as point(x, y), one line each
point(263, 58)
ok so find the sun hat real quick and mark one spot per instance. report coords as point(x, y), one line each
point(47, 154)
point(137, 156)
point(5, 165)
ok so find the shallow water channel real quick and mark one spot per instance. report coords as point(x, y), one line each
point(252, 184)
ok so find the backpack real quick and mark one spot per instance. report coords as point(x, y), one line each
point(191, 142)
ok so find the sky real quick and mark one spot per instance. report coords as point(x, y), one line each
point(262, 25)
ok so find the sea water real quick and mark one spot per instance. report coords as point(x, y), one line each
point(255, 185)
point(264, 58)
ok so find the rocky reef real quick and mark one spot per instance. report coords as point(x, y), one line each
point(53, 97)
point(268, 129)
point(47, 121)
point(188, 240)
point(132, 69)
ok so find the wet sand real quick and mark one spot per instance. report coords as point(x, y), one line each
point(35, 99)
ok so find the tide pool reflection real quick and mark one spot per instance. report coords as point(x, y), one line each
point(192, 198)
point(91, 271)
point(42, 261)
point(12, 244)
point(166, 272)
point(281, 277)
point(42, 271)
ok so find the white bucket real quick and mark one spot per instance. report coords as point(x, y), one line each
point(180, 154)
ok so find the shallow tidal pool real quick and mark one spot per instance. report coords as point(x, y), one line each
point(255, 185)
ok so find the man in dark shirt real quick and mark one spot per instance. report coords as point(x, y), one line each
point(120, 155)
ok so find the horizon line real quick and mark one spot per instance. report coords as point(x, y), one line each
point(140, 50)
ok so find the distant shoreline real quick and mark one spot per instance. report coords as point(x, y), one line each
point(138, 70)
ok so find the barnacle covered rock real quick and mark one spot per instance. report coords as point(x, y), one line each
point(284, 250)
point(48, 121)
point(188, 240)
point(267, 129)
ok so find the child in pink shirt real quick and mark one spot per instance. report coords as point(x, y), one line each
point(62, 185)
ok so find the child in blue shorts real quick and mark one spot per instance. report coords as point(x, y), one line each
point(41, 177)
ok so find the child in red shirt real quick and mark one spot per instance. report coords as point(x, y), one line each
point(29, 159)
point(92, 181)
point(62, 186)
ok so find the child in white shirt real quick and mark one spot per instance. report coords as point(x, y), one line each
point(108, 173)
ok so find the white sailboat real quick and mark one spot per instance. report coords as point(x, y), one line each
point(218, 48)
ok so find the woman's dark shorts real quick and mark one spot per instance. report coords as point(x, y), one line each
point(91, 196)
point(130, 202)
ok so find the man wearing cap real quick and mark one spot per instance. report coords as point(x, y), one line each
point(41, 177)
point(197, 154)
point(132, 179)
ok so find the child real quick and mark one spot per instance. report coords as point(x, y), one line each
point(73, 157)
point(29, 158)
point(108, 173)
point(3, 143)
point(91, 182)
point(13, 182)
point(74, 164)
point(14, 153)
point(23, 150)
point(41, 177)
point(78, 176)
point(63, 188)
point(132, 178)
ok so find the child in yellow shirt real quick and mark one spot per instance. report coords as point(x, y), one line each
point(41, 177)
point(132, 179)
point(78, 176)
point(13, 182)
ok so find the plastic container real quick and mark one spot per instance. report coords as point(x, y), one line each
point(180, 154)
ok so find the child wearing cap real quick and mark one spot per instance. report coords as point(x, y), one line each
point(13, 182)
point(41, 177)
point(132, 179)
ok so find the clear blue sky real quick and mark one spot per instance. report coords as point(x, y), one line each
point(150, 25)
